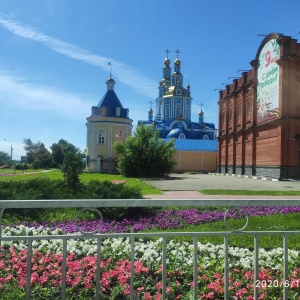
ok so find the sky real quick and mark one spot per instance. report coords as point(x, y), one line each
point(54, 57)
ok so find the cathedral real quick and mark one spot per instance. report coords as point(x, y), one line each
point(174, 107)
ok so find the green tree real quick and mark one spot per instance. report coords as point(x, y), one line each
point(72, 166)
point(145, 154)
point(4, 158)
point(37, 154)
point(58, 151)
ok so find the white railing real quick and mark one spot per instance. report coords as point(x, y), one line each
point(92, 204)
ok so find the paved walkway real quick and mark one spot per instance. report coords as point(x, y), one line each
point(185, 186)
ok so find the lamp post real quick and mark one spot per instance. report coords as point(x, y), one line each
point(11, 151)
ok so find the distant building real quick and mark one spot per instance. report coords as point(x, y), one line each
point(259, 114)
point(196, 142)
point(109, 122)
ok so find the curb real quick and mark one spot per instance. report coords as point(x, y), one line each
point(246, 176)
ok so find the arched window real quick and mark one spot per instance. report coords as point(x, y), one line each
point(181, 135)
point(101, 136)
point(205, 137)
point(118, 135)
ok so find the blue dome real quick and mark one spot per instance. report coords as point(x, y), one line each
point(174, 133)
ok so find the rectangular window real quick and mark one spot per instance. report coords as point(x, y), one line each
point(248, 107)
point(239, 112)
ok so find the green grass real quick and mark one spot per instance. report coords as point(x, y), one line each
point(84, 177)
point(278, 222)
point(249, 192)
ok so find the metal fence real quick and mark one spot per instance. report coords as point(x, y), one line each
point(92, 204)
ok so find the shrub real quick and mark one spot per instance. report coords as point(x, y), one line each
point(145, 154)
point(44, 188)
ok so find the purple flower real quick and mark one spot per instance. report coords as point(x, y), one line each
point(169, 219)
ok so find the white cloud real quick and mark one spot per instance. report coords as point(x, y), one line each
point(123, 73)
point(15, 92)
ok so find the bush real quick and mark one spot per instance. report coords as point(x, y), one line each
point(20, 166)
point(145, 154)
point(44, 188)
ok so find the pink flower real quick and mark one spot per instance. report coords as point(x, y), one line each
point(147, 296)
point(158, 296)
point(159, 286)
point(240, 293)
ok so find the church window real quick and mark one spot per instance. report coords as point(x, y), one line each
point(187, 114)
point(167, 112)
point(103, 110)
point(118, 135)
point(118, 111)
point(101, 136)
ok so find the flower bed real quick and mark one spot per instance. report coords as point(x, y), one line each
point(115, 269)
point(115, 262)
point(170, 219)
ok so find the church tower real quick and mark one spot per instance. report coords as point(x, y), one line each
point(174, 108)
point(109, 122)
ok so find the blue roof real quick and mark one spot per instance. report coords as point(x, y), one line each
point(196, 145)
point(111, 101)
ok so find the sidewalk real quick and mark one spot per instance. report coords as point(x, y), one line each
point(186, 195)
point(185, 186)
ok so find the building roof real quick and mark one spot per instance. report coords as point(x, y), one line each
point(195, 145)
point(111, 101)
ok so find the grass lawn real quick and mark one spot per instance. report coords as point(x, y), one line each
point(84, 177)
point(264, 223)
point(278, 222)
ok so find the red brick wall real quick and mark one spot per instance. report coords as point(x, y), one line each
point(276, 142)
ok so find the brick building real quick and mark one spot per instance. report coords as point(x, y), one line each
point(259, 114)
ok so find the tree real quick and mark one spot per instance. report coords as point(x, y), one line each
point(72, 166)
point(58, 151)
point(37, 154)
point(145, 154)
point(4, 158)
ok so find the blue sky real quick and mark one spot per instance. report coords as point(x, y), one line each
point(54, 57)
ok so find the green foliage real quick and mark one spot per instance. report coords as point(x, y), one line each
point(4, 158)
point(72, 167)
point(45, 188)
point(145, 154)
point(37, 154)
point(12, 291)
point(145, 188)
point(59, 149)
point(21, 166)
